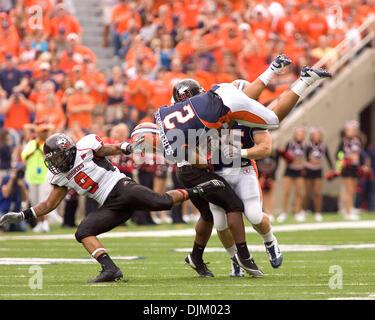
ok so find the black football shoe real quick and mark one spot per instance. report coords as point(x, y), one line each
point(107, 275)
point(248, 265)
point(199, 267)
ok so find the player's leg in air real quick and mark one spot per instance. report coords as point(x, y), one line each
point(249, 112)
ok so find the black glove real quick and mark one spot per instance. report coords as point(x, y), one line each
point(207, 187)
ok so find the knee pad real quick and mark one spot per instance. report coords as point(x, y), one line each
point(81, 233)
point(253, 210)
point(219, 217)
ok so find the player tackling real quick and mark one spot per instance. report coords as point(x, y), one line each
point(84, 168)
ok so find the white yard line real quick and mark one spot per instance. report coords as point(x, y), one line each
point(365, 224)
point(293, 247)
point(43, 261)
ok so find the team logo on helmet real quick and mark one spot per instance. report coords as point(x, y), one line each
point(63, 143)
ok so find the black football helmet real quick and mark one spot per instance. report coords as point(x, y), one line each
point(59, 153)
point(185, 89)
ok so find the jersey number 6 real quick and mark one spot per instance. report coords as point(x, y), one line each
point(85, 182)
point(178, 115)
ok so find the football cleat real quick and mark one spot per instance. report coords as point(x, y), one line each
point(274, 253)
point(209, 187)
point(236, 271)
point(310, 75)
point(200, 268)
point(279, 63)
point(107, 275)
point(248, 265)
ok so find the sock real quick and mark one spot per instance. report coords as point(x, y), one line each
point(268, 237)
point(197, 252)
point(105, 261)
point(231, 251)
point(267, 75)
point(243, 251)
point(299, 87)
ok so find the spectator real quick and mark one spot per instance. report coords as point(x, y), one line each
point(6, 149)
point(116, 87)
point(316, 26)
point(166, 51)
point(64, 21)
point(36, 172)
point(324, 50)
point(107, 7)
point(17, 111)
point(13, 191)
point(121, 15)
point(11, 78)
point(139, 90)
point(79, 106)
point(74, 54)
point(49, 109)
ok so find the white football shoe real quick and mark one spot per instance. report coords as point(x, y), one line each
point(186, 218)
point(38, 228)
point(45, 226)
point(282, 217)
point(300, 217)
point(351, 217)
point(236, 271)
point(318, 217)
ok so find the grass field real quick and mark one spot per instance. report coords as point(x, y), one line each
point(163, 275)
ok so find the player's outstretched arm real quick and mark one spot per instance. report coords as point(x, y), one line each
point(119, 148)
point(41, 209)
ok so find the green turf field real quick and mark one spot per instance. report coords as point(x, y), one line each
point(163, 275)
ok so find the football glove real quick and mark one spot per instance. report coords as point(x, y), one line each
point(11, 217)
point(208, 187)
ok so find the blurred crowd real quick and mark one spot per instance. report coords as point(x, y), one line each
point(50, 81)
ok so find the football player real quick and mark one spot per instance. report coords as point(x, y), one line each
point(84, 168)
point(196, 109)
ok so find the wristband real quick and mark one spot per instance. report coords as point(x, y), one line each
point(244, 153)
point(183, 195)
point(29, 213)
point(124, 148)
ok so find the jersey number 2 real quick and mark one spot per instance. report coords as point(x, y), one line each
point(85, 182)
point(179, 117)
